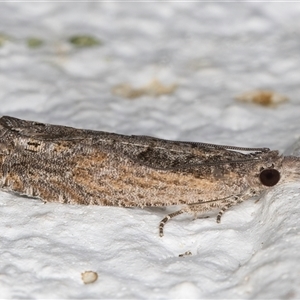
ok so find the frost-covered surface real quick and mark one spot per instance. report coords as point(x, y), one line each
point(213, 52)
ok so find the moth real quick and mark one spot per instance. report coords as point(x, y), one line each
point(77, 166)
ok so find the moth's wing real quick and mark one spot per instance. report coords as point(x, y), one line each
point(207, 145)
point(39, 131)
point(149, 151)
point(16, 124)
point(171, 155)
point(35, 129)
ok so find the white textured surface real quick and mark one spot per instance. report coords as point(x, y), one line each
point(213, 51)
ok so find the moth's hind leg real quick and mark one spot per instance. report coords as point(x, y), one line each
point(192, 209)
point(166, 219)
point(235, 201)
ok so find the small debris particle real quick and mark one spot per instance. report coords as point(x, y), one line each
point(81, 41)
point(187, 253)
point(34, 42)
point(89, 277)
point(3, 39)
point(262, 97)
point(154, 88)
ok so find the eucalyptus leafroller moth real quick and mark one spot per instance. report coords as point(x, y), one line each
point(77, 166)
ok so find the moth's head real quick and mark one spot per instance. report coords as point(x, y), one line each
point(290, 170)
point(282, 170)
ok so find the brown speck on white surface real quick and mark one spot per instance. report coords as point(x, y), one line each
point(89, 277)
point(155, 88)
point(262, 97)
point(187, 253)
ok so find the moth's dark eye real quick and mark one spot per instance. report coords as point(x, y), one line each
point(269, 177)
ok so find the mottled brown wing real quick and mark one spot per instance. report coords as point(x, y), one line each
point(68, 165)
point(172, 155)
point(144, 150)
point(38, 130)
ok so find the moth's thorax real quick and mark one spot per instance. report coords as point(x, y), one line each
point(291, 169)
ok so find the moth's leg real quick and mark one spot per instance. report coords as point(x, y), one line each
point(233, 202)
point(204, 217)
point(166, 219)
point(191, 208)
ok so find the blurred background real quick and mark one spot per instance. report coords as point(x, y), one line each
point(171, 70)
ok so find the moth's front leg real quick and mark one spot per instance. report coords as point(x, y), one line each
point(234, 200)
